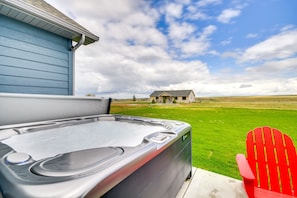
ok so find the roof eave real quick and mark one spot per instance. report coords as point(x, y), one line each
point(74, 31)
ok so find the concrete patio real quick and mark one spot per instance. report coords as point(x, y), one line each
point(211, 185)
point(205, 184)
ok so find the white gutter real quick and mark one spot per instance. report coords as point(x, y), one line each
point(82, 40)
point(73, 49)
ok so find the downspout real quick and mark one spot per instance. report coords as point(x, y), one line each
point(73, 49)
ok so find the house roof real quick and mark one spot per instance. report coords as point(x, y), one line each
point(173, 93)
point(41, 14)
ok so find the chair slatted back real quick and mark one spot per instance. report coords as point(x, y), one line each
point(273, 160)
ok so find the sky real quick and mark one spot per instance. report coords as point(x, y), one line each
point(213, 47)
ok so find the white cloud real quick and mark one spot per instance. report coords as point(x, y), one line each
point(227, 15)
point(203, 3)
point(232, 54)
point(208, 30)
point(134, 57)
point(131, 55)
point(287, 27)
point(195, 13)
point(111, 10)
point(227, 41)
point(277, 66)
point(245, 86)
point(123, 69)
point(251, 35)
point(280, 46)
point(198, 15)
point(88, 82)
point(173, 10)
point(196, 46)
point(181, 31)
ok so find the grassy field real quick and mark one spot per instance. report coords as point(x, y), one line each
point(220, 124)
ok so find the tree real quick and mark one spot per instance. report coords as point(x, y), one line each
point(134, 98)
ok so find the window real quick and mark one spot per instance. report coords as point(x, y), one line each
point(184, 98)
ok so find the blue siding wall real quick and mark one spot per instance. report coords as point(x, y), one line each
point(33, 60)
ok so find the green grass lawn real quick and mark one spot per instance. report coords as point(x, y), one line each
point(220, 125)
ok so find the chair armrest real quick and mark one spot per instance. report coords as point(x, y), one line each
point(244, 167)
point(246, 173)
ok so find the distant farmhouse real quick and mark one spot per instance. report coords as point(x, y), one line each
point(36, 48)
point(180, 96)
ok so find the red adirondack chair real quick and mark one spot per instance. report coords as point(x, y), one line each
point(270, 169)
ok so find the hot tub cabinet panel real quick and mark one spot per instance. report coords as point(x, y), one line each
point(162, 176)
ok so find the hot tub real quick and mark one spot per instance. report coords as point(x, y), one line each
point(100, 155)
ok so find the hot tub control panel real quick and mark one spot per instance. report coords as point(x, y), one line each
point(160, 138)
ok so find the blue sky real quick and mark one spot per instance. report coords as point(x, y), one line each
point(215, 47)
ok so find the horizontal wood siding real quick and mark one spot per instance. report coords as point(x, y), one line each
point(33, 60)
